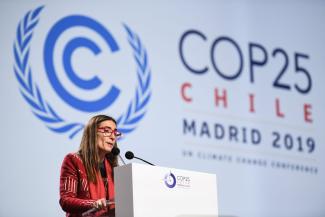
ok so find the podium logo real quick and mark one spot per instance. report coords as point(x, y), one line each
point(180, 181)
point(170, 180)
point(43, 108)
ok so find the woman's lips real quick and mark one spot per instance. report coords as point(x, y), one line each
point(109, 143)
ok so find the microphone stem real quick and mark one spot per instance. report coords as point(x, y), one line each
point(144, 161)
point(122, 160)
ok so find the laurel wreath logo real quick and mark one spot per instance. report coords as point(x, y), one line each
point(42, 109)
point(136, 109)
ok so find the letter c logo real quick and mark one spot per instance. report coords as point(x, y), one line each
point(75, 43)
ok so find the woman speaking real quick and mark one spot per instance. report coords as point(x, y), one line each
point(86, 180)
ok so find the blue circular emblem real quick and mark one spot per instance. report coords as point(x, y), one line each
point(52, 37)
point(170, 180)
point(42, 108)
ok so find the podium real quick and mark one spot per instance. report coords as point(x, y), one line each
point(153, 191)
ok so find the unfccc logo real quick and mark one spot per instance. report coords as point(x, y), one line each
point(42, 108)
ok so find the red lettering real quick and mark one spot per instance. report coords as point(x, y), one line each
point(184, 87)
point(307, 113)
point(222, 98)
point(277, 108)
point(252, 103)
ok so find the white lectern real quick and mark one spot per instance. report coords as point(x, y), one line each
point(152, 191)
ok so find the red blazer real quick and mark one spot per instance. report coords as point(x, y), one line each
point(75, 195)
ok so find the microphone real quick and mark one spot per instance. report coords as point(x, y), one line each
point(116, 152)
point(129, 155)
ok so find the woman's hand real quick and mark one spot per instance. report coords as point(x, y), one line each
point(100, 204)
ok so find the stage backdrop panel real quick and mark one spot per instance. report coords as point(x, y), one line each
point(233, 88)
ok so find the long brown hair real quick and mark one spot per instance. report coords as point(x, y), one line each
point(88, 149)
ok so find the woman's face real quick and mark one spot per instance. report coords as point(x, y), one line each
point(105, 136)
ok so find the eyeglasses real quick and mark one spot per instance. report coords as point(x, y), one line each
point(108, 132)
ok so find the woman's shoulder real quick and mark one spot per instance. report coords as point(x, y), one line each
point(72, 165)
point(75, 157)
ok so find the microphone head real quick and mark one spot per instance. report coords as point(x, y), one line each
point(129, 155)
point(115, 151)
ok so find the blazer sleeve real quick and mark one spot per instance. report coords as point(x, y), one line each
point(69, 182)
